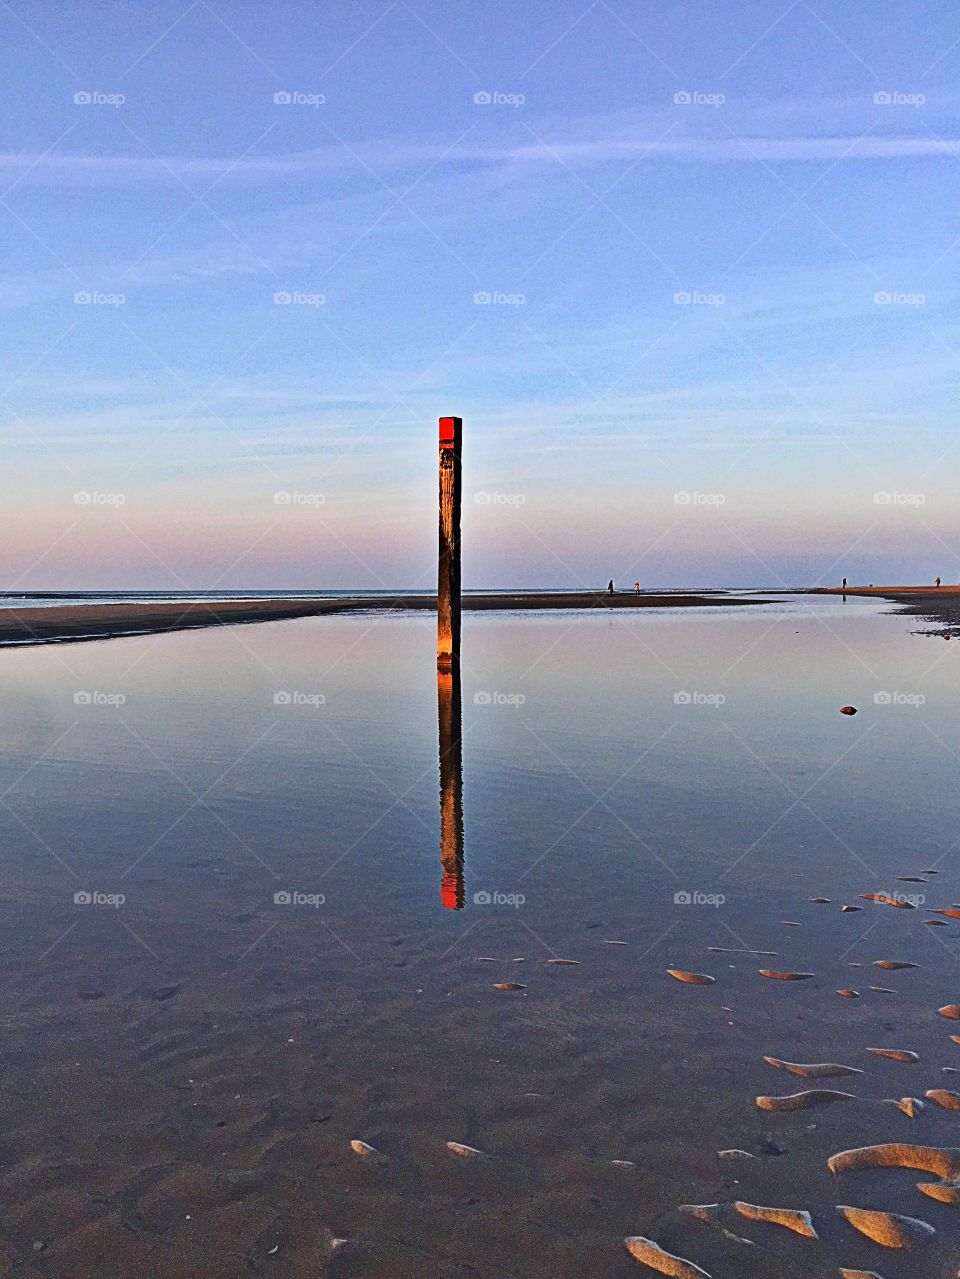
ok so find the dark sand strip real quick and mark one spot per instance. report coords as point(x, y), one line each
point(102, 621)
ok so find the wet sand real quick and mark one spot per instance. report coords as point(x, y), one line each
point(185, 1073)
point(100, 621)
point(938, 604)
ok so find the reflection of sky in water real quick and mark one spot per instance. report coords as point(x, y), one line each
point(658, 745)
point(596, 806)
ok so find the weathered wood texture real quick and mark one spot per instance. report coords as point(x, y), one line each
point(448, 580)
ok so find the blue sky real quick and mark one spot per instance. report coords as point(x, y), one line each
point(721, 342)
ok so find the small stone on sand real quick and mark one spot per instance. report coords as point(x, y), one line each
point(848, 710)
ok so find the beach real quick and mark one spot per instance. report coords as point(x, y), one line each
point(26, 624)
point(225, 955)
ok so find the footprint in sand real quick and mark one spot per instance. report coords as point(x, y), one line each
point(884, 900)
point(365, 1150)
point(803, 1100)
point(775, 976)
point(691, 979)
point(657, 1258)
point(813, 1070)
point(888, 1229)
point(940, 1161)
point(944, 1098)
point(895, 1054)
point(945, 1192)
point(911, 1106)
point(797, 1220)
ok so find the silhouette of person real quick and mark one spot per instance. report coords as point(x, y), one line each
point(844, 583)
point(938, 581)
point(610, 586)
point(636, 588)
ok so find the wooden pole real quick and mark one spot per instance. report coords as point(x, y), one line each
point(448, 584)
point(451, 789)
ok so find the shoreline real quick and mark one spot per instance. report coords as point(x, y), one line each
point(75, 623)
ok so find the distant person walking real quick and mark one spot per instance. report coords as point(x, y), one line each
point(636, 588)
point(938, 581)
point(844, 583)
point(610, 586)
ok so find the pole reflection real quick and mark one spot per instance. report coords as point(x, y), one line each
point(450, 715)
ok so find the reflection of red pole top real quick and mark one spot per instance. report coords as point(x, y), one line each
point(451, 890)
point(450, 432)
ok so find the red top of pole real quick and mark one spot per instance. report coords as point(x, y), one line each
point(449, 428)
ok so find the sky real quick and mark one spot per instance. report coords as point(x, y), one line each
point(688, 272)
